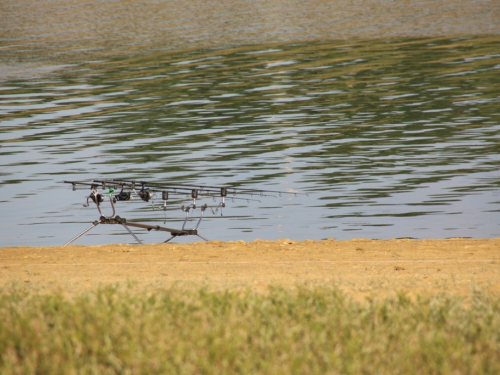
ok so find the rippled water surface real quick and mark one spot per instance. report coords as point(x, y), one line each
point(394, 136)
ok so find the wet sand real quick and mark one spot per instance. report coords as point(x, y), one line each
point(360, 267)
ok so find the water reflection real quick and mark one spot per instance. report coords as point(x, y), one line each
point(396, 138)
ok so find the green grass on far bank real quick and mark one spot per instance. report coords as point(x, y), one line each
point(310, 330)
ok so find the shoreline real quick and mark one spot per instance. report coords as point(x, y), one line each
point(361, 267)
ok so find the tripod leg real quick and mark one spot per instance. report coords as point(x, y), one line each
point(168, 239)
point(133, 235)
point(203, 238)
point(203, 208)
point(81, 234)
point(185, 220)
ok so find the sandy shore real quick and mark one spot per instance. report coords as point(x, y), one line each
point(360, 267)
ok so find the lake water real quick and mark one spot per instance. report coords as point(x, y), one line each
point(387, 116)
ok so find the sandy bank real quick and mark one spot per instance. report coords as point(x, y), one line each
point(356, 266)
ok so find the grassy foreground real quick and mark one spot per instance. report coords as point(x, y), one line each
point(308, 330)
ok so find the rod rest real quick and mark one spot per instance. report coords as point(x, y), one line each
point(121, 220)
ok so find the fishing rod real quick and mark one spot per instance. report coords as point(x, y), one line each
point(147, 191)
point(177, 186)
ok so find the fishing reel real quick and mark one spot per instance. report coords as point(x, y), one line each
point(123, 196)
point(145, 194)
point(95, 197)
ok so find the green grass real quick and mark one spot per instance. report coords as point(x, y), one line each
point(310, 330)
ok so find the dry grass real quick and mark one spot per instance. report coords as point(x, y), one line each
point(119, 330)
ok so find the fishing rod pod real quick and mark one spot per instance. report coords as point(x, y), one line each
point(148, 190)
